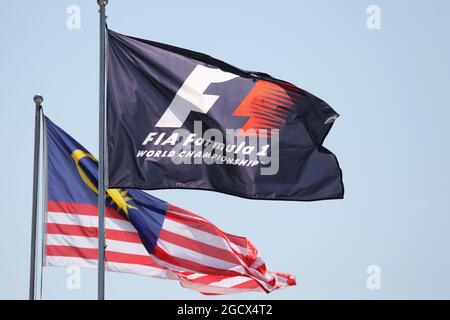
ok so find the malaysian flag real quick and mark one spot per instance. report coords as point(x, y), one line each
point(144, 235)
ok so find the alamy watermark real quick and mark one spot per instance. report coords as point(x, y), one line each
point(73, 281)
point(248, 148)
point(73, 21)
point(374, 19)
point(373, 281)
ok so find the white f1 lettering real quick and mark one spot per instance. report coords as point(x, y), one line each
point(191, 97)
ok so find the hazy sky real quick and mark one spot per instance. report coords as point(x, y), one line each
point(390, 86)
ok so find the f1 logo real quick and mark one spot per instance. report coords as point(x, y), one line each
point(191, 96)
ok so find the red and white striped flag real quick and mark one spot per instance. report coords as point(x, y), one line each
point(144, 235)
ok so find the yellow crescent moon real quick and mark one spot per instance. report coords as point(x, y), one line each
point(119, 197)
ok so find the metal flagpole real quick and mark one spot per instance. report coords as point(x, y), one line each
point(37, 130)
point(101, 164)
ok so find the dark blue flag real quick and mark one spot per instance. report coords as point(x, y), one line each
point(181, 119)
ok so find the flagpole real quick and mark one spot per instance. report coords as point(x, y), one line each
point(101, 165)
point(37, 130)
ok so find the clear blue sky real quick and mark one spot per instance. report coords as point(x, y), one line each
point(390, 86)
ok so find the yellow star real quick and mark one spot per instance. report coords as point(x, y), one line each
point(119, 197)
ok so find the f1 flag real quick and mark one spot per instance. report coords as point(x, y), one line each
point(182, 119)
point(144, 235)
